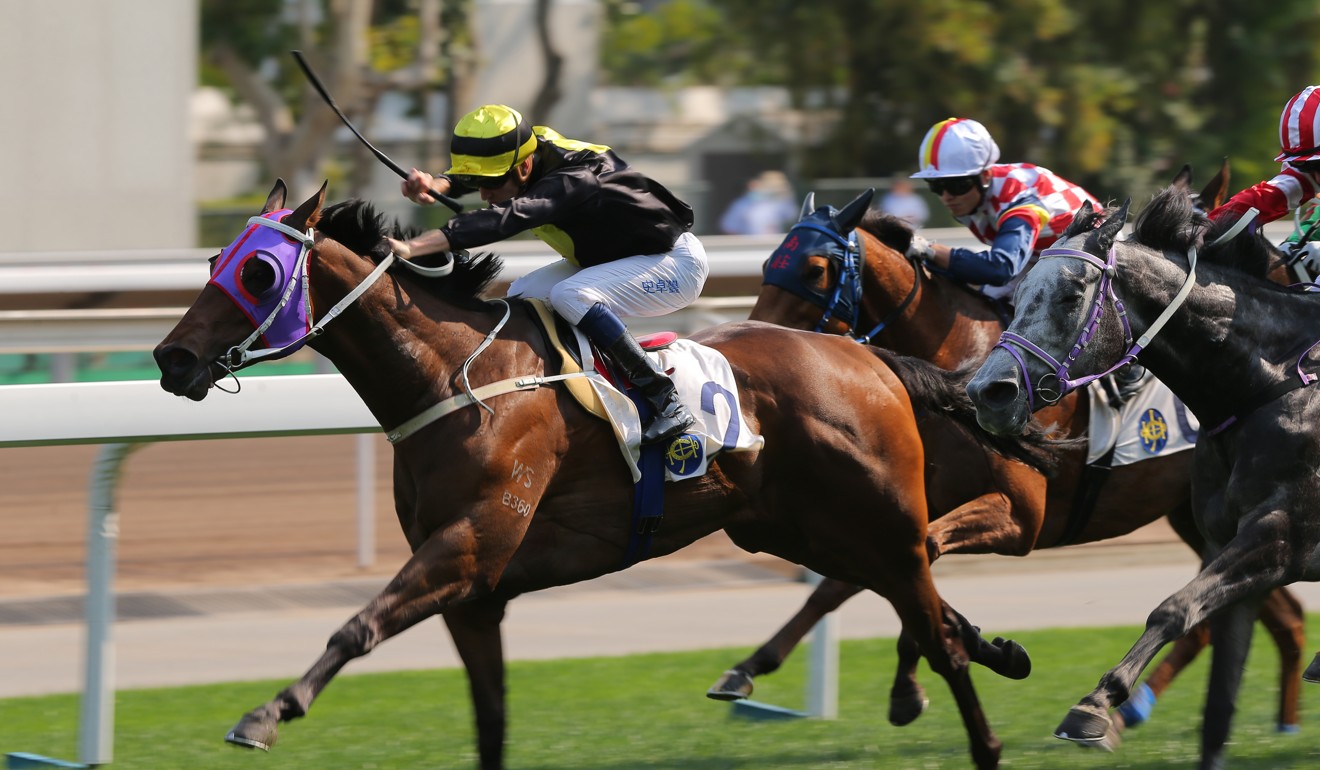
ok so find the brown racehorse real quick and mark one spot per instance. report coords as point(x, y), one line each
point(901, 306)
point(531, 491)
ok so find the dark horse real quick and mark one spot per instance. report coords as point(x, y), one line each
point(531, 492)
point(1238, 351)
point(866, 288)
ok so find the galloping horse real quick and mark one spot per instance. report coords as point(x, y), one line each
point(531, 490)
point(858, 283)
point(1239, 352)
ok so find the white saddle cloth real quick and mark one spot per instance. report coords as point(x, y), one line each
point(705, 383)
point(1152, 424)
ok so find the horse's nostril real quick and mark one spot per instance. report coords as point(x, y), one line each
point(174, 360)
point(999, 393)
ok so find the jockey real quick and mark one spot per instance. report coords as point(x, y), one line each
point(624, 238)
point(1298, 179)
point(1016, 208)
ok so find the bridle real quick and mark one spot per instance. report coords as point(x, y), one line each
point(1057, 383)
point(241, 355)
point(845, 301)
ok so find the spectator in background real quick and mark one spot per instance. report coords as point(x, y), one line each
point(903, 202)
point(767, 208)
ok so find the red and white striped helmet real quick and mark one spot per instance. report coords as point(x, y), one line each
point(956, 147)
point(1299, 127)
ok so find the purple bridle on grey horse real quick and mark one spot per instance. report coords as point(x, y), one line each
point(1010, 341)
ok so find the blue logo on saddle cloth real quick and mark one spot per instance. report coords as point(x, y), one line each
point(1153, 430)
point(685, 456)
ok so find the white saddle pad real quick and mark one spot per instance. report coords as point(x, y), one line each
point(705, 384)
point(1154, 423)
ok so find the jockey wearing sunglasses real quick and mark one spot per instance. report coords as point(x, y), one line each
point(1018, 209)
point(624, 238)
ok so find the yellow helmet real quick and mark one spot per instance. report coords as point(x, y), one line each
point(490, 141)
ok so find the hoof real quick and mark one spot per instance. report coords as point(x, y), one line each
point(1087, 728)
point(1288, 729)
point(1312, 672)
point(253, 731)
point(1136, 709)
point(734, 685)
point(1017, 663)
point(906, 707)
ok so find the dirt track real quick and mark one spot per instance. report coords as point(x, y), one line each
point(233, 512)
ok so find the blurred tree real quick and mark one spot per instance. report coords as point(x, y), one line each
point(1114, 95)
point(361, 49)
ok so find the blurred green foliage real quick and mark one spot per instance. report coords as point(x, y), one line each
point(1116, 96)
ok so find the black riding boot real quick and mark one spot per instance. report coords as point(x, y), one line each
point(608, 332)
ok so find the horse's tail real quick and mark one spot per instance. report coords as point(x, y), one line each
point(944, 393)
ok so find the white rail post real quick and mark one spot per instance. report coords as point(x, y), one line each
point(366, 499)
point(96, 733)
point(823, 666)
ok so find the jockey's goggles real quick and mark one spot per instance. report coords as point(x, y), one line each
point(480, 182)
point(953, 185)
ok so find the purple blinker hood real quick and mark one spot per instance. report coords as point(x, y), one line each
point(285, 308)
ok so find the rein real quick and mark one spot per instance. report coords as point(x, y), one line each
point(241, 355)
point(1061, 382)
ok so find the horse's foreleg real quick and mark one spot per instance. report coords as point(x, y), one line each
point(1245, 568)
point(446, 568)
point(991, 523)
point(1283, 616)
point(475, 627)
point(1136, 709)
point(940, 637)
point(907, 699)
point(1230, 634)
point(737, 682)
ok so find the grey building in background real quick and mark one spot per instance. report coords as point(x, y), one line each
point(94, 144)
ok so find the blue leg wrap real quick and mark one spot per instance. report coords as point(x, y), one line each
point(1136, 709)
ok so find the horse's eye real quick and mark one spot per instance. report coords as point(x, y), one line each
point(814, 272)
point(257, 277)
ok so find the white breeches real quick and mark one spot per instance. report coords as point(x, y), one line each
point(632, 287)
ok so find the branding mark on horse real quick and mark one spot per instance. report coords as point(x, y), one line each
point(522, 474)
point(520, 506)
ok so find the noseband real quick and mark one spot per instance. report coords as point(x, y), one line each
point(1056, 384)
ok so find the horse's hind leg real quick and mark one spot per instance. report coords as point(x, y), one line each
point(475, 627)
point(1283, 616)
point(736, 683)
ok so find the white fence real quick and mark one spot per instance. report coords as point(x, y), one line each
point(122, 416)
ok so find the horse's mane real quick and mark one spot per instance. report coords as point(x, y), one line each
point(357, 226)
point(888, 229)
point(1171, 221)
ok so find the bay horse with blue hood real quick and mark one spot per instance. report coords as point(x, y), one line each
point(504, 483)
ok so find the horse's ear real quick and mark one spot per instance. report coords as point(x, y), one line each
point(1111, 227)
point(808, 206)
point(306, 215)
point(275, 201)
point(1183, 179)
point(1216, 190)
point(852, 213)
